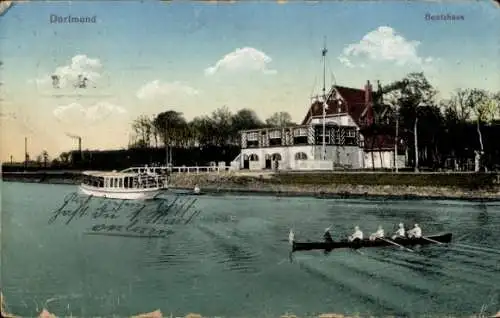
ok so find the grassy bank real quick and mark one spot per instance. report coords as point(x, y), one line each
point(324, 184)
point(349, 184)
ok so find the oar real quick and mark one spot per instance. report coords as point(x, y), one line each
point(431, 240)
point(394, 243)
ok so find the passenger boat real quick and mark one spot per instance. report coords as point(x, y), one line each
point(403, 242)
point(129, 184)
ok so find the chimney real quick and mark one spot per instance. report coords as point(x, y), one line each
point(368, 103)
point(368, 93)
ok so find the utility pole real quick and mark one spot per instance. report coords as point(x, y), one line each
point(166, 147)
point(25, 152)
point(397, 140)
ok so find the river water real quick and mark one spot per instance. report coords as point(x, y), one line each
point(228, 256)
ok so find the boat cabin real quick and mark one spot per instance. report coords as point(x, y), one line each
point(123, 180)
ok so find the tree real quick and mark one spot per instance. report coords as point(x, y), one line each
point(496, 99)
point(244, 119)
point(458, 106)
point(413, 92)
point(64, 157)
point(45, 157)
point(280, 119)
point(169, 124)
point(222, 122)
point(203, 130)
point(484, 107)
point(143, 128)
point(386, 113)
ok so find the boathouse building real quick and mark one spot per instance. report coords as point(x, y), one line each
point(348, 112)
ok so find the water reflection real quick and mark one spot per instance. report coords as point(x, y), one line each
point(482, 217)
point(231, 252)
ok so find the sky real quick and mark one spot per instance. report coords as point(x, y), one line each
point(142, 58)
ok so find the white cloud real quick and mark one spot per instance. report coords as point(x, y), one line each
point(158, 89)
point(81, 65)
point(76, 113)
point(384, 44)
point(242, 59)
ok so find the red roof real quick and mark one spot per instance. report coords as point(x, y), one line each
point(355, 106)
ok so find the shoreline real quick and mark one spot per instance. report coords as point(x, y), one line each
point(230, 183)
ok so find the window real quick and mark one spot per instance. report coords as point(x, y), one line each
point(254, 157)
point(319, 135)
point(300, 132)
point(350, 139)
point(300, 156)
point(275, 134)
point(252, 139)
point(276, 156)
point(300, 136)
point(252, 136)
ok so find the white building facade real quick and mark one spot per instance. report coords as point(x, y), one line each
point(301, 147)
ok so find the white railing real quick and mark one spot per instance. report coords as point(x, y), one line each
point(185, 169)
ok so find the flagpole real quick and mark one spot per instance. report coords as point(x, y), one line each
point(324, 100)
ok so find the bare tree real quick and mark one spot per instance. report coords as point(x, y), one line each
point(411, 94)
point(485, 108)
point(143, 128)
point(45, 156)
point(459, 105)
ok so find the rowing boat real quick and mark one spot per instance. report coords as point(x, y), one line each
point(328, 246)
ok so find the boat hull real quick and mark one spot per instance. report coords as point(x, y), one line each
point(121, 194)
point(307, 246)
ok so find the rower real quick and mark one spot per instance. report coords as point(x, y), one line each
point(378, 234)
point(416, 232)
point(196, 189)
point(327, 236)
point(357, 235)
point(400, 233)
